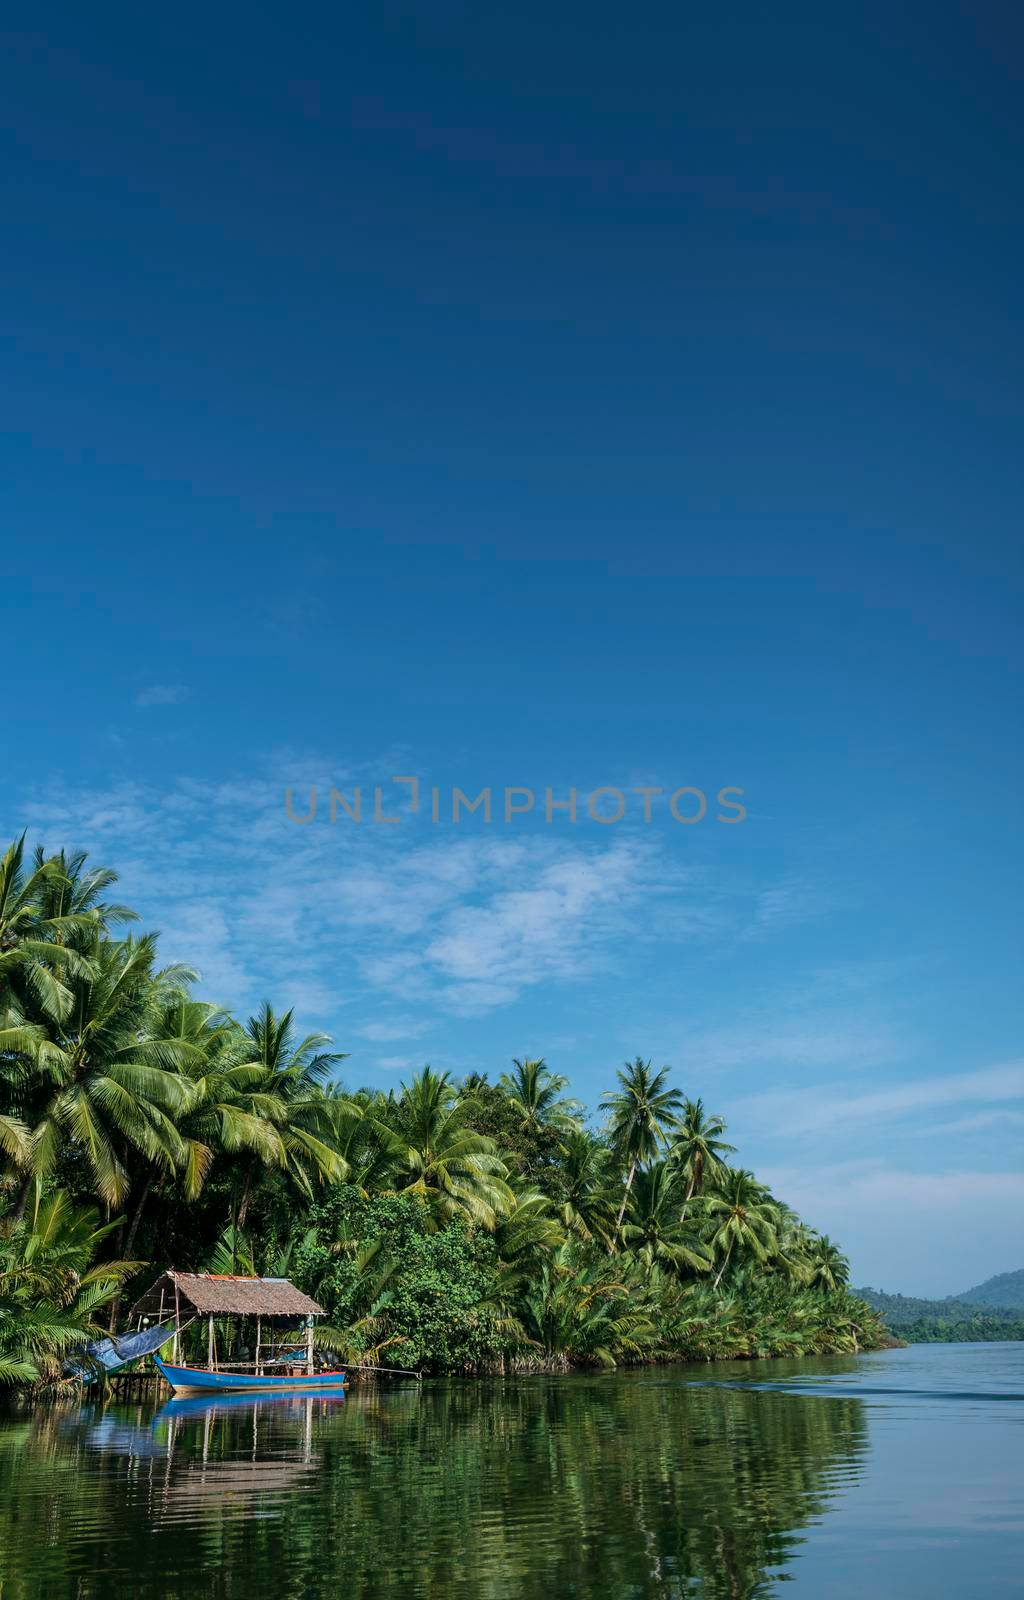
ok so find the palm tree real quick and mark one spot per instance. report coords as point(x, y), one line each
point(51, 919)
point(363, 1142)
point(641, 1110)
point(111, 1084)
point(364, 1337)
point(36, 962)
point(830, 1269)
point(577, 1311)
point(791, 1253)
point(18, 1046)
point(70, 893)
point(222, 1114)
point(535, 1092)
point(654, 1229)
point(439, 1157)
point(698, 1147)
point(287, 1091)
point(50, 1289)
point(741, 1217)
point(529, 1230)
point(586, 1208)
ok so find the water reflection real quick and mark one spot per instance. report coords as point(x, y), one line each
point(207, 1405)
point(625, 1485)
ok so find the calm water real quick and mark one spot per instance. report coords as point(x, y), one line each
point(897, 1474)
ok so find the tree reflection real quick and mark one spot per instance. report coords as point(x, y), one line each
point(625, 1485)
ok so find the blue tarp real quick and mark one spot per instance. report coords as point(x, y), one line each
point(118, 1349)
point(287, 1356)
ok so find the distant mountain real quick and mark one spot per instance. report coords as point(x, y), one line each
point(1005, 1291)
point(940, 1321)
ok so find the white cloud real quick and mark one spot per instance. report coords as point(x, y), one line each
point(557, 923)
point(162, 694)
point(902, 1229)
point(980, 1122)
point(786, 904)
point(793, 1112)
point(197, 932)
point(823, 1039)
point(454, 924)
point(396, 1028)
point(447, 920)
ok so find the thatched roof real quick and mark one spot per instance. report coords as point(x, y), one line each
point(221, 1296)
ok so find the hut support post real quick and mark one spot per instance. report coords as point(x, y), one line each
point(309, 1346)
point(211, 1348)
point(177, 1327)
point(259, 1329)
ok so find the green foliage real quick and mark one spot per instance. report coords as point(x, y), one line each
point(530, 1149)
point(698, 1147)
point(1004, 1292)
point(942, 1321)
point(52, 1289)
point(473, 1227)
point(534, 1094)
point(422, 1294)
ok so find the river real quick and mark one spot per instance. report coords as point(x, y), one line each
point(893, 1474)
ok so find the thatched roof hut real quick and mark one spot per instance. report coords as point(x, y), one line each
point(215, 1295)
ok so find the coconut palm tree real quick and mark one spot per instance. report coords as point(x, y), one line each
point(653, 1228)
point(830, 1269)
point(111, 1085)
point(364, 1337)
point(222, 1114)
point(363, 1142)
point(586, 1208)
point(18, 1046)
point(641, 1110)
point(287, 1090)
point(698, 1147)
point(740, 1219)
point(51, 1290)
point(535, 1092)
point(36, 960)
point(529, 1229)
point(50, 920)
point(438, 1157)
point(70, 896)
point(578, 1311)
point(791, 1254)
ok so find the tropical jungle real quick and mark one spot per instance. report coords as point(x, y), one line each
point(475, 1226)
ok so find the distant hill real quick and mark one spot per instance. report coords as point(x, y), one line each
point(941, 1321)
point(1005, 1291)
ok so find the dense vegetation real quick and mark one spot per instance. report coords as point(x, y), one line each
point(943, 1321)
point(1004, 1292)
point(464, 1227)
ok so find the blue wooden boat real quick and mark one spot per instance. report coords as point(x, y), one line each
point(284, 1368)
point(201, 1381)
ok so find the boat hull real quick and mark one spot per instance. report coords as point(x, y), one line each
point(195, 1381)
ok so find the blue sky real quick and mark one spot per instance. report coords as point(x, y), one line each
point(627, 401)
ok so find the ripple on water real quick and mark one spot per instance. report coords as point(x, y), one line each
point(714, 1481)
